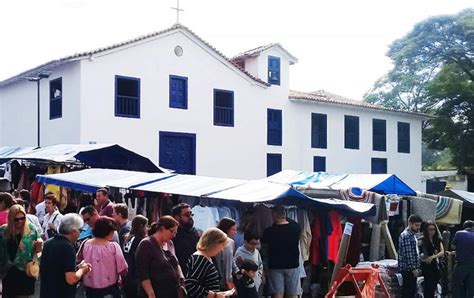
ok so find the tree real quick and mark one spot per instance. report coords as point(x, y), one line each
point(433, 73)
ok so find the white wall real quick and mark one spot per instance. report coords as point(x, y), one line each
point(18, 113)
point(237, 151)
point(338, 159)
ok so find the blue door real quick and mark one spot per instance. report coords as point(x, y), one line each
point(178, 152)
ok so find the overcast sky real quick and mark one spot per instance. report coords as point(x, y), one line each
point(341, 45)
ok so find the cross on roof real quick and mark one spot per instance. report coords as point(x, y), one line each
point(178, 10)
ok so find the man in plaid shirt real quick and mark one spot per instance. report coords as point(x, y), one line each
point(409, 257)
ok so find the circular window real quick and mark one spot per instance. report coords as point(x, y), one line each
point(178, 51)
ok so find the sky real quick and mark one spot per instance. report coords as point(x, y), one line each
point(341, 45)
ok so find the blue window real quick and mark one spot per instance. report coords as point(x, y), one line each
point(379, 166)
point(178, 92)
point(379, 135)
point(56, 98)
point(223, 107)
point(403, 137)
point(319, 164)
point(319, 126)
point(178, 152)
point(274, 127)
point(127, 97)
point(273, 163)
point(351, 132)
point(273, 70)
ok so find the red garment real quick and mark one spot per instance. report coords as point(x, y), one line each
point(334, 239)
point(315, 257)
point(35, 189)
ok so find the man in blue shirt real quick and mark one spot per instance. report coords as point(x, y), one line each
point(409, 257)
point(463, 275)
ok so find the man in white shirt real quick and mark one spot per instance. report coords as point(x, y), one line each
point(52, 219)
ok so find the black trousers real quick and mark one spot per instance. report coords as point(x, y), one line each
point(430, 284)
point(463, 281)
point(409, 284)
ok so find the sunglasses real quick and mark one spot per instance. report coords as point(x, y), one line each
point(18, 219)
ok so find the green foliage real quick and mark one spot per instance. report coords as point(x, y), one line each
point(433, 73)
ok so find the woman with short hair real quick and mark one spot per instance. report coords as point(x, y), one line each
point(22, 242)
point(157, 267)
point(106, 258)
point(202, 277)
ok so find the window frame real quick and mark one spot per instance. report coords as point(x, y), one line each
point(138, 99)
point(347, 144)
point(216, 123)
point(171, 102)
point(403, 137)
point(55, 100)
point(379, 141)
point(274, 155)
point(270, 80)
point(317, 159)
point(319, 139)
point(375, 160)
point(278, 131)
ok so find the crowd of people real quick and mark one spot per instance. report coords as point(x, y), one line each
point(422, 256)
point(109, 255)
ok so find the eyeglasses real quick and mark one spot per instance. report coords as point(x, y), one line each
point(18, 219)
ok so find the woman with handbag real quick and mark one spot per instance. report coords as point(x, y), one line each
point(431, 249)
point(106, 259)
point(157, 267)
point(22, 243)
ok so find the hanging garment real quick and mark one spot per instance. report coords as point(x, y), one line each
point(358, 195)
point(353, 253)
point(424, 207)
point(224, 212)
point(205, 217)
point(448, 211)
point(305, 236)
point(53, 188)
point(393, 203)
point(334, 239)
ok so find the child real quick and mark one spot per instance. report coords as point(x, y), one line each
point(244, 279)
point(249, 251)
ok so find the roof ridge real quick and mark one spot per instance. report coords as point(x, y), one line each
point(55, 63)
point(328, 97)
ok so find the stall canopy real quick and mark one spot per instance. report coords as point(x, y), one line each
point(7, 152)
point(246, 191)
point(462, 195)
point(381, 183)
point(90, 180)
point(108, 156)
point(190, 185)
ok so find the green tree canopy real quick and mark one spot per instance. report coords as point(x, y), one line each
point(434, 73)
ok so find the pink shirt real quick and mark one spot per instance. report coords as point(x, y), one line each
point(3, 217)
point(107, 262)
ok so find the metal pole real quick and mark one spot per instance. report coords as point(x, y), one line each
point(38, 82)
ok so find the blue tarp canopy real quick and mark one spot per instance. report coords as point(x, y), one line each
point(253, 191)
point(380, 183)
point(90, 180)
point(110, 156)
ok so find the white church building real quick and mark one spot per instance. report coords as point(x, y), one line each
point(174, 98)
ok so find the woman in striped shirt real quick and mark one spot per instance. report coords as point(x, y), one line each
point(202, 278)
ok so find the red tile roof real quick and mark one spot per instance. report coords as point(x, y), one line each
point(257, 51)
point(327, 97)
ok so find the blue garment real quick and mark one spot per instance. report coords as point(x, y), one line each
point(408, 255)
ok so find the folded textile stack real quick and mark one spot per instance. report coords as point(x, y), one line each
point(388, 270)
